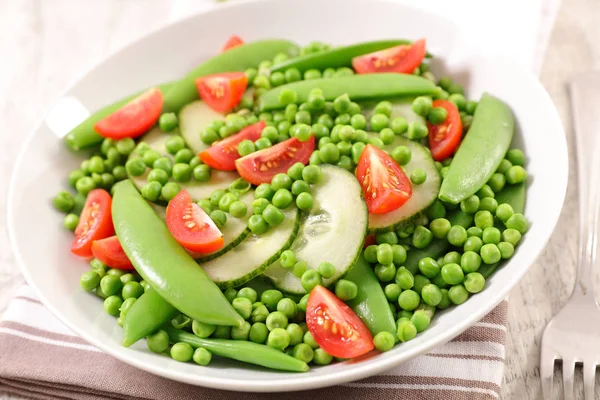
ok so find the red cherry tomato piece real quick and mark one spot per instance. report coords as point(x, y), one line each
point(261, 166)
point(444, 138)
point(223, 91)
point(222, 154)
point(384, 184)
point(233, 41)
point(191, 226)
point(110, 252)
point(95, 222)
point(134, 118)
point(335, 327)
point(402, 59)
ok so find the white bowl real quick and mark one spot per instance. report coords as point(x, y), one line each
point(41, 244)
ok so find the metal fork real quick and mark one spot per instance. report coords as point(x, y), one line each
point(573, 335)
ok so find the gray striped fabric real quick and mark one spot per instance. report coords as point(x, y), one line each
point(54, 363)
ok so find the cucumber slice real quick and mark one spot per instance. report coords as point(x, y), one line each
point(193, 119)
point(253, 255)
point(423, 195)
point(333, 231)
point(234, 232)
point(400, 108)
point(156, 139)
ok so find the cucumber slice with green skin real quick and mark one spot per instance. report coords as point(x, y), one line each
point(333, 231)
point(156, 139)
point(400, 108)
point(365, 87)
point(193, 119)
point(422, 196)
point(253, 255)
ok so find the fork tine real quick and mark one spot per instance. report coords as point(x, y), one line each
point(568, 369)
point(589, 379)
point(547, 372)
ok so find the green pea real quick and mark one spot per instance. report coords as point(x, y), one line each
point(347, 134)
point(452, 257)
point(151, 190)
point(473, 243)
point(96, 164)
point(418, 176)
point(89, 280)
point(491, 235)
point(164, 164)
point(409, 300)
point(470, 261)
point(304, 118)
point(519, 222)
point(215, 197)
point(504, 212)
point(384, 341)
point(516, 157)
point(488, 204)
point(402, 155)
point(174, 144)
point(422, 237)
point(312, 74)
point(158, 342)
point(511, 236)
point(270, 298)
point(119, 173)
point(112, 305)
point(388, 237)
point(385, 272)
point(490, 254)
point(506, 250)
point(458, 294)
point(385, 254)
point(330, 153)
point(341, 104)
point(420, 282)
point(440, 227)
point(261, 82)
point(437, 115)
point(376, 142)
point(202, 356)
point(208, 136)
point(417, 130)
point(457, 235)
point(379, 122)
point(406, 331)
point(71, 221)
point(370, 254)
point(310, 340)
point(299, 187)
point(398, 254)
point(182, 172)
point(85, 185)
point(259, 314)
point(257, 223)
point(74, 176)
point(258, 333)
point(475, 231)
point(422, 105)
point(346, 163)
point(290, 112)
point(64, 201)
point(445, 302)
point(485, 191)
point(276, 320)
point(444, 172)
point(470, 205)
point(243, 306)
point(429, 267)
point(205, 205)
point(474, 282)
point(281, 181)
point(484, 219)
point(431, 294)
point(259, 205)
point(404, 278)
point(241, 332)
point(287, 307)
point(263, 143)
point(452, 274)
point(316, 101)
point(282, 199)
point(230, 294)
point(277, 78)
point(170, 190)
point(111, 285)
point(202, 329)
point(222, 332)
point(326, 269)
point(182, 352)
point(497, 182)
point(455, 88)
point(218, 217)
point(343, 71)
point(132, 290)
point(310, 279)
point(273, 216)
point(459, 100)
point(504, 166)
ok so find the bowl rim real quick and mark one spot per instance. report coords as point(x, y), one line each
point(299, 383)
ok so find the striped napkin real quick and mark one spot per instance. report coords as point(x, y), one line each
point(40, 358)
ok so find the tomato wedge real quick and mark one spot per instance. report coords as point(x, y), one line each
point(261, 166)
point(402, 59)
point(95, 222)
point(233, 41)
point(223, 91)
point(191, 226)
point(444, 138)
point(222, 154)
point(384, 184)
point(134, 118)
point(335, 327)
point(110, 252)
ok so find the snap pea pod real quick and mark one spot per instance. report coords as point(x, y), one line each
point(370, 304)
point(237, 59)
point(146, 315)
point(336, 57)
point(358, 87)
point(514, 195)
point(437, 247)
point(481, 151)
point(241, 350)
point(163, 263)
point(84, 135)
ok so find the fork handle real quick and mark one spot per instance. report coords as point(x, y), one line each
point(585, 97)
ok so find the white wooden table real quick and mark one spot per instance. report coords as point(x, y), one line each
point(44, 45)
